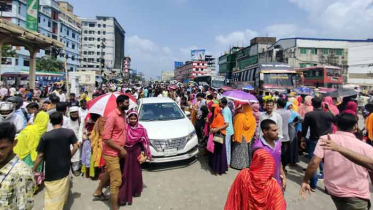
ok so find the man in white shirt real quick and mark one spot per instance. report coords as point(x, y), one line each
point(74, 123)
point(83, 111)
point(12, 91)
point(61, 95)
point(270, 114)
point(3, 91)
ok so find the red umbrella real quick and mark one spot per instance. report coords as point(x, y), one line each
point(104, 104)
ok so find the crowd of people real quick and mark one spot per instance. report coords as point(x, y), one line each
point(46, 137)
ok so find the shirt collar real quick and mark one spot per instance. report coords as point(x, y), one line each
point(266, 144)
point(118, 112)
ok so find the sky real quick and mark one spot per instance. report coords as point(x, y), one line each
point(159, 32)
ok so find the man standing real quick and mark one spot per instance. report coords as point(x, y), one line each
point(271, 143)
point(270, 114)
point(17, 180)
point(227, 114)
point(74, 123)
point(346, 182)
point(12, 91)
point(114, 138)
point(83, 112)
point(285, 140)
point(54, 148)
point(72, 100)
point(3, 92)
point(320, 123)
point(54, 99)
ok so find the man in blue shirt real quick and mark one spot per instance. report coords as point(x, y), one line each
point(227, 114)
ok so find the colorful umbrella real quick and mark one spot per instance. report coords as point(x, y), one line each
point(226, 88)
point(241, 96)
point(304, 90)
point(104, 104)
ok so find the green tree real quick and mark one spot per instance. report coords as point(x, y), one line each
point(49, 64)
point(7, 51)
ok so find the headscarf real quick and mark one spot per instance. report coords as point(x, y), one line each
point(306, 107)
point(351, 108)
point(333, 108)
point(96, 141)
point(218, 120)
point(300, 100)
point(244, 124)
point(137, 134)
point(209, 105)
point(295, 104)
point(255, 188)
point(256, 111)
point(29, 138)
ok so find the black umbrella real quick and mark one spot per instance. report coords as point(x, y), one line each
point(341, 93)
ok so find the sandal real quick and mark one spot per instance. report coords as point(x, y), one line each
point(100, 197)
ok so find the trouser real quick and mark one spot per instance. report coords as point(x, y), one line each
point(113, 169)
point(350, 203)
point(311, 148)
point(199, 126)
point(228, 148)
point(285, 153)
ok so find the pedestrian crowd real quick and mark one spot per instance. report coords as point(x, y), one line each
point(46, 140)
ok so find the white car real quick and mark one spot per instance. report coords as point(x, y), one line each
point(172, 135)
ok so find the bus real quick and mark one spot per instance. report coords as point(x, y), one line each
point(22, 78)
point(322, 76)
point(267, 76)
point(212, 81)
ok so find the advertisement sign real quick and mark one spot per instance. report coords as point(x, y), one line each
point(178, 64)
point(198, 55)
point(32, 14)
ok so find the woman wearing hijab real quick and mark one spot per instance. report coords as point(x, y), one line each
point(351, 108)
point(295, 126)
point(138, 151)
point(218, 160)
point(255, 188)
point(306, 107)
point(29, 138)
point(295, 104)
point(329, 105)
point(244, 130)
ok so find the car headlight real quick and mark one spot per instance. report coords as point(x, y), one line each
point(191, 135)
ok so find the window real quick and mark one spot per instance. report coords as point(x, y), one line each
point(85, 59)
point(313, 51)
point(326, 51)
point(98, 60)
point(67, 44)
point(26, 63)
point(73, 58)
point(99, 25)
point(104, 32)
point(68, 32)
point(85, 38)
point(98, 53)
point(73, 35)
point(91, 25)
point(85, 31)
point(49, 23)
point(91, 32)
point(98, 39)
point(338, 51)
point(73, 46)
point(303, 50)
point(103, 53)
point(98, 32)
point(85, 53)
point(16, 61)
point(303, 65)
point(61, 29)
point(104, 25)
point(91, 39)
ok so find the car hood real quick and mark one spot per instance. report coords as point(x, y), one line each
point(168, 129)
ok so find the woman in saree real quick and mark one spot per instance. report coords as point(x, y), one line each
point(244, 130)
point(29, 138)
point(255, 188)
point(138, 151)
point(295, 126)
point(218, 159)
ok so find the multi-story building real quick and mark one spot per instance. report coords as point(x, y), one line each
point(227, 62)
point(350, 55)
point(56, 20)
point(168, 75)
point(126, 64)
point(191, 69)
point(102, 44)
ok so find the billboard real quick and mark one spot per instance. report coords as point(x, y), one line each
point(198, 55)
point(32, 13)
point(178, 64)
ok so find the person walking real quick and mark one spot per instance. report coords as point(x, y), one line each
point(138, 151)
point(227, 114)
point(270, 114)
point(254, 188)
point(54, 149)
point(75, 124)
point(319, 123)
point(348, 186)
point(285, 140)
point(114, 139)
point(17, 180)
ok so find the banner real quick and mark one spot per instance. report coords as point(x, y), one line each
point(32, 13)
point(198, 55)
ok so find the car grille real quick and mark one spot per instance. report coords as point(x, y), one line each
point(160, 145)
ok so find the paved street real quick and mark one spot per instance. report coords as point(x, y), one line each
point(180, 186)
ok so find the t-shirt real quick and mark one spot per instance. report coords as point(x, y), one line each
point(227, 114)
point(12, 91)
point(55, 145)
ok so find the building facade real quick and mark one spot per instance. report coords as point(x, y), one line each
point(102, 44)
point(192, 69)
point(53, 21)
point(126, 65)
point(168, 75)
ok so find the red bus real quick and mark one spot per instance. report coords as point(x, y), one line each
point(322, 76)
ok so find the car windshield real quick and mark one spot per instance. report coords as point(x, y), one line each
point(279, 79)
point(160, 112)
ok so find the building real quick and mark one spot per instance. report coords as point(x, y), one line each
point(211, 64)
point(102, 44)
point(192, 69)
point(227, 62)
point(353, 56)
point(55, 20)
point(168, 75)
point(126, 64)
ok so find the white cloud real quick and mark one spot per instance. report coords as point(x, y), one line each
point(288, 30)
point(237, 38)
point(186, 51)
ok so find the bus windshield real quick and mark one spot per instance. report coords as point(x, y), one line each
point(333, 72)
point(279, 79)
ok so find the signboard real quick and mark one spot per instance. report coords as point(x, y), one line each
point(198, 55)
point(271, 66)
point(32, 13)
point(178, 64)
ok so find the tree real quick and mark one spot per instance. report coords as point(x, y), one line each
point(7, 51)
point(47, 63)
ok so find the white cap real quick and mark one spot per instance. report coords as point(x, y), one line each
point(74, 109)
